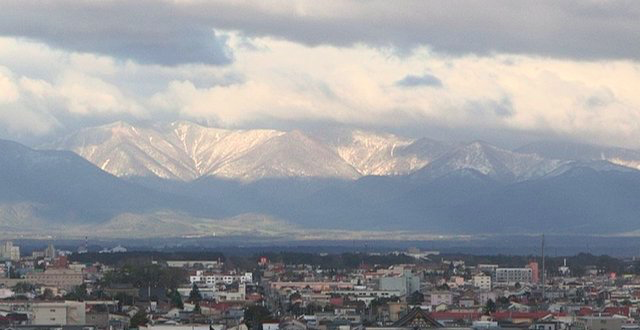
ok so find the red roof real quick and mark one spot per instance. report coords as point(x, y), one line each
point(624, 311)
point(524, 315)
point(585, 311)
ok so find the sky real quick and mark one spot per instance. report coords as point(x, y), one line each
point(499, 70)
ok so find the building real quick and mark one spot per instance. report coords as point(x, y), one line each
point(193, 263)
point(9, 252)
point(214, 278)
point(441, 297)
point(50, 252)
point(56, 277)
point(534, 266)
point(564, 270)
point(487, 268)
point(405, 283)
point(417, 319)
point(601, 322)
point(482, 282)
point(63, 313)
point(483, 296)
point(513, 275)
point(48, 313)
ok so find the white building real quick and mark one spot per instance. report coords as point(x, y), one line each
point(482, 282)
point(9, 252)
point(50, 252)
point(405, 283)
point(212, 278)
point(513, 275)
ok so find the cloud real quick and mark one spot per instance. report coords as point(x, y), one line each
point(417, 81)
point(147, 32)
point(284, 84)
point(178, 32)
point(500, 108)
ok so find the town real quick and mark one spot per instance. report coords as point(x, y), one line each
point(116, 289)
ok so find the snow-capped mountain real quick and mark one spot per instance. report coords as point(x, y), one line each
point(186, 151)
point(497, 163)
point(373, 153)
point(476, 188)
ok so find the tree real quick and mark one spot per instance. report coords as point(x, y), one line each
point(255, 315)
point(176, 299)
point(195, 295)
point(517, 285)
point(140, 318)
point(47, 294)
point(490, 307)
point(79, 293)
point(310, 309)
point(416, 298)
point(504, 302)
point(24, 287)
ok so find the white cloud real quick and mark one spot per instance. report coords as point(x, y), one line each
point(278, 80)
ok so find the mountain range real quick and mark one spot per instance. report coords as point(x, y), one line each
point(187, 151)
point(187, 179)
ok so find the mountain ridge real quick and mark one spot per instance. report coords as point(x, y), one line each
point(46, 190)
point(187, 151)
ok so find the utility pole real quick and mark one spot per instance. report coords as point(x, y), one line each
point(543, 268)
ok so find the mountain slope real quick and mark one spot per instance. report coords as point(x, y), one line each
point(579, 151)
point(186, 151)
point(58, 189)
point(124, 150)
point(497, 163)
point(292, 154)
point(63, 187)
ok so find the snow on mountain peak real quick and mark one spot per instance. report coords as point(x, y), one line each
point(184, 150)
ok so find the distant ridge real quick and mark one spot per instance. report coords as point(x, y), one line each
point(187, 151)
point(472, 189)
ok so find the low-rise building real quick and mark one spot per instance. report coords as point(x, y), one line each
point(56, 277)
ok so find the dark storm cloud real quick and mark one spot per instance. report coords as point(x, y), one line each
point(418, 81)
point(145, 32)
point(182, 32)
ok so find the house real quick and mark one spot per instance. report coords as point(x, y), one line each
point(417, 318)
point(441, 297)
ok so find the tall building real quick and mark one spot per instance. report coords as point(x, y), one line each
point(534, 266)
point(482, 281)
point(9, 252)
point(50, 252)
